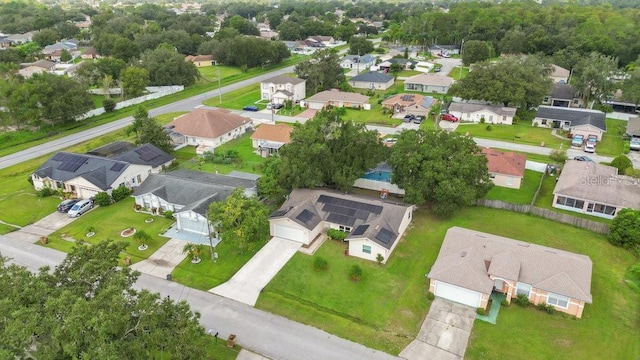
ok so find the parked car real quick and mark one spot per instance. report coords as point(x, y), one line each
point(66, 205)
point(592, 139)
point(418, 119)
point(449, 117)
point(634, 144)
point(250, 108)
point(577, 140)
point(407, 118)
point(277, 106)
point(583, 158)
point(437, 69)
point(590, 148)
point(80, 208)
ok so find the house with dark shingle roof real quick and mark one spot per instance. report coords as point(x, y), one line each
point(208, 129)
point(405, 63)
point(563, 95)
point(280, 88)
point(372, 80)
point(472, 264)
point(506, 169)
point(432, 83)
point(374, 226)
point(583, 122)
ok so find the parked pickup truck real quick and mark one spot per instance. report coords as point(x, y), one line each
point(577, 141)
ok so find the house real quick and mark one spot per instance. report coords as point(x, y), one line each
point(188, 195)
point(269, 138)
point(412, 104)
point(633, 126)
point(84, 175)
point(89, 53)
point(472, 264)
point(338, 99)
point(372, 80)
point(595, 189)
point(431, 83)
point(506, 169)
point(559, 75)
point(281, 88)
point(563, 95)
point(31, 70)
point(5, 43)
point(476, 112)
point(269, 34)
point(578, 121)
point(71, 45)
point(44, 64)
point(374, 226)
point(200, 60)
point(406, 64)
point(360, 63)
point(18, 39)
point(322, 41)
point(208, 129)
point(444, 49)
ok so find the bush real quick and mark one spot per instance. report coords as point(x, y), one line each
point(30, 180)
point(222, 156)
point(102, 199)
point(379, 259)
point(559, 156)
point(481, 311)
point(548, 308)
point(335, 234)
point(355, 273)
point(482, 120)
point(622, 162)
point(320, 264)
point(120, 193)
point(626, 148)
point(625, 229)
point(522, 300)
point(109, 105)
point(45, 192)
point(430, 296)
point(504, 302)
point(489, 128)
point(168, 214)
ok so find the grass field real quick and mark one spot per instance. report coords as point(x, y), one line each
point(521, 133)
point(457, 74)
point(248, 95)
point(524, 195)
point(386, 308)
point(612, 143)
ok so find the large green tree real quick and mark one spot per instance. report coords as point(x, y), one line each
point(167, 67)
point(475, 51)
point(631, 87)
point(446, 170)
point(592, 78)
point(625, 229)
point(87, 308)
point(359, 45)
point(148, 130)
point(322, 71)
point(134, 81)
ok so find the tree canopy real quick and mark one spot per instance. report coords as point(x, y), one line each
point(592, 78)
point(147, 130)
point(359, 45)
point(167, 67)
point(322, 71)
point(446, 170)
point(625, 229)
point(475, 51)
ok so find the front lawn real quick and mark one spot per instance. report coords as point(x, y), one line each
point(386, 308)
point(612, 143)
point(248, 95)
point(372, 117)
point(458, 73)
point(210, 73)
point(524, 195)
point(520, 133)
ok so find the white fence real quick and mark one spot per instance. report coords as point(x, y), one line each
point(156, 93)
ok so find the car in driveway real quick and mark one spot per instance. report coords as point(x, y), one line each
point(449, 117)
point(66, 205)
point(80, 208)
point(592, 139)
point(250, 108)
point(583, 158)
point(634, 143)
point(418, 119)
point(577, 140)
point(408, 118)
point(590, 148)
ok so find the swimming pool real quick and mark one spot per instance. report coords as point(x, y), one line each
point(384, 176)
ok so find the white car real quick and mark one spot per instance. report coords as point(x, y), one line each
point(590, 148)
point(80, 208)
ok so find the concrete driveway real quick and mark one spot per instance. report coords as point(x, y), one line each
point(444, 333)
point(162, 262)
point(246, 284)
point(43, 227)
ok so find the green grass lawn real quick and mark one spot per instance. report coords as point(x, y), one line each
point(250, 161)
point(521, 133)
point(457, 74)
point(524, 195)
point(373, 116)
point(385, 309)
point(5, 229)
point(409, 73)
point(248, 95)
point(97, 100)
point(612, 141)
point(210, 73)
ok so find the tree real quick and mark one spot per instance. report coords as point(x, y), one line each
point(134, 81)
point(592, 78)
point(194, 251)
point(475, 51)
point(444, 169)
point(358, 45)
point(289, 31)
point(241, 24)
point(395, 69)
point(65, 55)
point(329, 151)
point(625, 229)
point(240, 220)
point(46, 37)
point(147, 130)
point(268, 185)
point(142, 238)
point(622, 163)
point(87, 308)
point(167, 67)
point(514, 42)
point(631, 87)
point(559, 156)
point(322, 72)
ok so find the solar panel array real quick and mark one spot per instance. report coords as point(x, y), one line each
point(385, 236)
point(341, 219)
point(305, 216)
point(407, 97)
point(148, 153)
point(358, 214)
point(117, 166)
point(325, 199)
point(360, 230)
point(69, 162)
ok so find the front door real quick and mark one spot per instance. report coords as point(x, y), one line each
point(498, 285)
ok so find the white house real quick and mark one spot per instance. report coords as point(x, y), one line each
point(357, 62)
point(338, 99)
point(372, 80)
point(208, 128)
point(431, 83)
point(583, 122)
point(506, 169)
point(269, 138)
point(283, 87)
point(476, 112)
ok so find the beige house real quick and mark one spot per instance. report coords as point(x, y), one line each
point(430, 83)
point(412, 104)
point(583, 122)
point(208, 129)
point(31, 70)
point(595, 189)
point(506, 169)
point(200, 60)
point(374, 226)
point(633, 126)
point(476, 112)
point(338, 99)
point(269, 138)
point(560, 75)
point(372, 80)
point(471, 265)
point(280, 88)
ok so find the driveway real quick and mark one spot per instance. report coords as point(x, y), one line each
point(43, 227)
point(246, 284)
point(444, 333)
point(164, 260)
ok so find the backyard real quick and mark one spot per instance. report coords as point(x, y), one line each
point(386, 308)
point(524, 195)
point(520, 133)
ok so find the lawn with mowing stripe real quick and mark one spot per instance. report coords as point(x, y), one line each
point(612, 143)
point(248, 95)
point(5, 229)
point(249, 160)
point(524, 195)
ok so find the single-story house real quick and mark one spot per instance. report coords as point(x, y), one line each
point(431, 83)
point(444, 49)
point(188, 195)
point(90, 53)
point(578, 121)
point(5, 43)
point(321, 41)
point(84, 175)
point(372, 80)
point(374, 226)
point(506, 169)
point(268, 139)
point(563, 95)
point(559, 75)
point(412, 104)
point(595, 189)
point(338, 99)
point(21, 38)
point(200, 60)
point(476, 112)
point(44, 64)
point(209, 128)
point(280, 88)
point(472, 264)
point(360, 63)
point(71, 45)
point(633, 126)
point(406, 64)
point(31, 70)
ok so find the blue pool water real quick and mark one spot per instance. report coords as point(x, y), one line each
point(384, 176)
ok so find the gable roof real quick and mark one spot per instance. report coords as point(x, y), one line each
point(372, 77)
point(278, 133)
point(463, 258)
point(466, 107)
point(284, 79)
point(369, 218)
point(403, 99)
point(147, 154)
point(563, 91)
point(45, 64)
point(558, 71)
point(430, 79)
point(208, 123)
point(192, 58)
point(367, 58)
point(575, 116)
point(332, 95)
point(505, 163)
point(401, 61)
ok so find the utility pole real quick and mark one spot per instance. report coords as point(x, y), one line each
point(219, 88)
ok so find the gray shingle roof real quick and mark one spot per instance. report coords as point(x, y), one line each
point(284, 79)
point(147, 154)
point(562, 91)
point(577, 117)
point(373, 77)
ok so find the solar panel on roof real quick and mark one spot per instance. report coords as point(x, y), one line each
point(147, 153)
point(360, 230)
point(305, 216)
point(385, 235)
point(59, 157)
point(69, 166)
point(341, 219)
point(376, 209)
point(338, 209)
point(117, 166)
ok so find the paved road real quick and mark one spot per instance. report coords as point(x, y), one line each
point(259, 331)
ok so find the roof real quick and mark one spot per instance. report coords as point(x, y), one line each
point(468, 257)
point(372, 77)
point(563, 91)
point(332, 95)
point(192, 189)
point(371, 218)
point(401, 61)
point(429, 79)
point(278, 133)
point(29, 71)
point(112, 149)
point(403, 99)
point(633, 126)
point(367, 58)
point(505, 163)
point(147, 154)
point(576, 117)
point(559, 72)
point(208, 123)
point(45, 64)
point(284, 79)
point(199, 58)
point(598, 183)
point(471, 108)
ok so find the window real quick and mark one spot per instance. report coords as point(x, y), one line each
point(570, 202)
point(546, 99)
point(523, 289)
point(575, 101)
point(510, 181)
point(493, 176)
point(601, 209)
point(558, 300)
point(491, 119)
point(345, 228)
point(366, 249)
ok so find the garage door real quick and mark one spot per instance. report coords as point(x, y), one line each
point(458, 294)
point(191, 225)
point(288, 233)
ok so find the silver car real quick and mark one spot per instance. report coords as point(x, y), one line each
point(80, 208)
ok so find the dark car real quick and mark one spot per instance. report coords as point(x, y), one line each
point(250, 108)
point(66, 205)
point(277, 106)
point(408, 118)
point(449, 117)
point(583, 158)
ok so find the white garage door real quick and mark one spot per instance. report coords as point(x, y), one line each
point(288, 233)
point(458, 294)
point(195, 226)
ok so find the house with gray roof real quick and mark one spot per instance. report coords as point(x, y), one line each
point(472, 264)
point(595, 189)
point(374, 226)
point(563, 95)
point(337, 98)
point(84, 175)
point(372, 80)
point(431, 83)
point(360, 63)
point(473, 112)
point(406, 64)
point(583, 122)
point(188, 195)
point(280, 88)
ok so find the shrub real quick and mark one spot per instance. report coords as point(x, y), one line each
point(522, 300)
point(320, 264)
point(30, 180)
point(626, 148)
point(622, 162)
point(489, 128)
point(504, 302)
point(120, 193)
point(379, 259)
point(168, 214)
point(355, 273)
point(559, 156)
point(625, 229)
point(335, 234)
point(109, 105)
point(482, 120)
point(45, 192)
point(548, 308)
point(91, 229)
point(481, 311)
point(102, 199)
point(430, 296)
